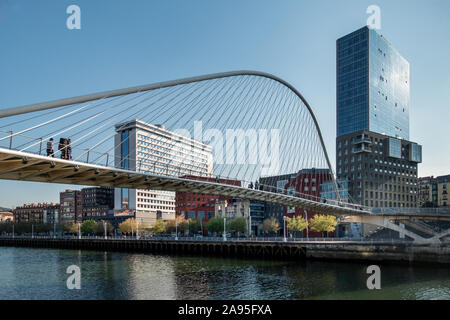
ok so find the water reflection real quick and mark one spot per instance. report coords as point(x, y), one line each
point(41, 274)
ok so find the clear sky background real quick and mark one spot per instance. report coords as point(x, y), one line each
point(126, 43)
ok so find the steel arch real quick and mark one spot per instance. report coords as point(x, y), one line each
point(114, 93)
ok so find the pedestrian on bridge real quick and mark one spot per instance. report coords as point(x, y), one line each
point(69, 149)
point(50, 148)
point(62, 147)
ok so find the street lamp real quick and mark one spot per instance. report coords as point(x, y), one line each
point(307, 229)
point(104, 227)
point(284, 228)
point(54, 226)
point(224, 229)
point(137, 229)
point(176, 228)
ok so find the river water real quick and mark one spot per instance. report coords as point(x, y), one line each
point(27, 273)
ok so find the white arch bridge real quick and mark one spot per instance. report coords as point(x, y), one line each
point(240, 101)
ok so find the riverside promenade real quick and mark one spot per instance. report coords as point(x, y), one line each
point(277, 249)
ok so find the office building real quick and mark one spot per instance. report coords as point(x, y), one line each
point(96, 202)
point(70, 206)
point(373, 151)
point(152, 148)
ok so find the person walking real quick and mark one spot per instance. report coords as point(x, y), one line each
point(50, 148)
point(61, 147)
point(69, 149)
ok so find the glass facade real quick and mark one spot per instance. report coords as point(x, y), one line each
point(388, 89)
point(372, 86)
point(395, 148)
point(352, 85)
point(415, 153)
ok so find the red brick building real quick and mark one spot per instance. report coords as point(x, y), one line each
point(307, 185)
point(198, 205)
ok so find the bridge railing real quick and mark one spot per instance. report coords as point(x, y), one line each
point(37, 146)
point(412, 211)
point(217, 239)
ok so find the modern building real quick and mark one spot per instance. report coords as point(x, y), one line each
point(97, 202)
point(381, 171)
point(257, 210)
point(151, 148)
point(197, 205)
point(70, 206)
point(373, 151)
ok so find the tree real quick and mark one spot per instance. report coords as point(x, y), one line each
point(296, 223)
point(193, 225)
point(158, 228)
point(238, 224)
point(271, 225)
point(70, 227)
point(128, 226)
point(215, 225)
point(88, 226)
point(171, 225)
point(100, 228)
point(323, 223)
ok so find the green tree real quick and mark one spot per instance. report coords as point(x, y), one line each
point(238, 224)
point(88, 226)
point(193, 225)
point(296, 223)
point(70, 227)
point(172, 225)
point(128, 226)
point(215, 225)
point(158, 227)
point(100, 228)
point(271, 225)
point(323, 223)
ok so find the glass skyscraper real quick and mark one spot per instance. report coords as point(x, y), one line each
point(373, 152)
point(372, 86)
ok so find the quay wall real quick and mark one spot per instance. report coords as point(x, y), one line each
point(348, 251)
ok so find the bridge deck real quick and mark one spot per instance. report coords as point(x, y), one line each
point(16, 165)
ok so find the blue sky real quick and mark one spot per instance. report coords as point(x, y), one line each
point(125, 43)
